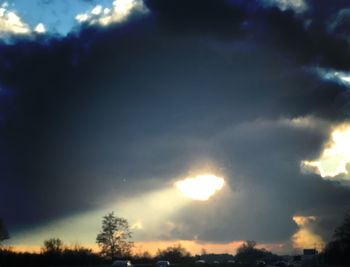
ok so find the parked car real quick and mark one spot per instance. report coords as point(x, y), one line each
point(163, 263)
point(200, 262)
point(296, 264)
point(260, 263)
point(281, 264)
point(120, 263)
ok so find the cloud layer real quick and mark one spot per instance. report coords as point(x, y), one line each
point(228, 87)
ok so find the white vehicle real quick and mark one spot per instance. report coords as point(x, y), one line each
point(163, 263)
point(122, 263)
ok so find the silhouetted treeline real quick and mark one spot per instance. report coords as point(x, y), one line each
point(80, 256)
point(249, 254)
point(71, 257)
point(174, 254)
point(4, 234)
point(211, 257)
point(337, 252)
point(54, 253)
point(83, 257)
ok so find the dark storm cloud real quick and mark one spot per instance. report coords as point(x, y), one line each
point(148, 99)
point(323, 11)
point(306, 36)
point(222, 18)
point(309, 44)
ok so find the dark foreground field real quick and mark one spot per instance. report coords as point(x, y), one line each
point(192, 265)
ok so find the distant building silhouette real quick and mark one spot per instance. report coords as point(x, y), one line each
point(309, 256)
point(310, 252)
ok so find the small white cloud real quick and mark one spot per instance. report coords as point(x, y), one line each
point(119, 11)
point(82, 18)
point(298, 6)
point(97, 10)
point(40, 28)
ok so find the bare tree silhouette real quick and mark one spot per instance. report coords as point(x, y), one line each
point(4, 234)
point(174, 254)
point(113, 238)
point(53, 245)
point(338, 250)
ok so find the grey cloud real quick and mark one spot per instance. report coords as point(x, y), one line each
point(267, 187)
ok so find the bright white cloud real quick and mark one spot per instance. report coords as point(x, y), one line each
point(335, 156)
point(119, 11)
point(11, 23)
point(298, 6)
point(40, 28)
point(82, 17)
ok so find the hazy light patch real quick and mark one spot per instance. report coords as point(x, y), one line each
point(307, 122)
point(304, 220)
point(120, 10)
point(201, 187)
point(345, 77)
point(83, 228)
point(20, 248)
point(334, 157)
point(298, 6)
point(305, 237)
point(335, 75)
point(11, 22)
point(340, 23)
point(137, 225)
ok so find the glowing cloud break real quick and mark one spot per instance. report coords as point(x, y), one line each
point(201, 187)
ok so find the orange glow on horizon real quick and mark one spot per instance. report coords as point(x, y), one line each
point(152, 247)
point(192, 246)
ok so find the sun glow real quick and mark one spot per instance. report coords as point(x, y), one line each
point(201, 187)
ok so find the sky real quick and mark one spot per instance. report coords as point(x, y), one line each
point(134, 106)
